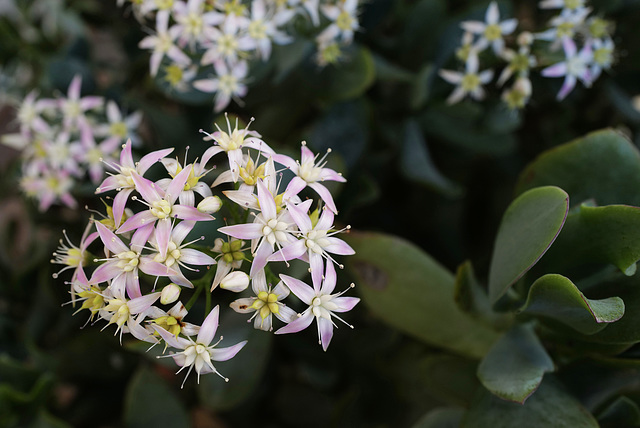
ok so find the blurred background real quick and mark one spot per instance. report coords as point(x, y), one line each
point(437, 175)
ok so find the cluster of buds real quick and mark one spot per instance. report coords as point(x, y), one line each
point(206, 45)
point(571, 26)
point(269, 226)
point(64, 139)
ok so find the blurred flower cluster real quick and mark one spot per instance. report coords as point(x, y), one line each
point(585, 40)
point(270, 225)
point(65, 138)
point(206, 45)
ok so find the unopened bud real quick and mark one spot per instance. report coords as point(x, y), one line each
point(525, 38)
point(236, 281)
point(210, 205)
point(170, 294)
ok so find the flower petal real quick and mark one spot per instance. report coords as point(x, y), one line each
point(209, 327)
point(303, 291)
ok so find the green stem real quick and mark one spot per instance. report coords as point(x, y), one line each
point(193, 298)
point(208, 296)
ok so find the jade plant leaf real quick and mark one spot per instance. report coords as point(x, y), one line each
point(418, 166)
point(515, 365)
point(623, 412)
point(556, 297)
point(410, 291)
point(351, 79)
point(472, 299)
point(609, 234)
point(550, 406)
point(146, 394)
point(443, 417)
point(528, 228)
point(604, 166)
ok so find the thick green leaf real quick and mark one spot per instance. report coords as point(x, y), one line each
point(457, 125)
point(515, 365)
point(556, 297)
point(244, 371)
point(472, 299)
point(550, 406)
point(149, 402)
point(418, 166)
point(604, 166)
point(407, 289)
point(623, 412)
point(591, 235)
point(529, 226)
point(445, 417)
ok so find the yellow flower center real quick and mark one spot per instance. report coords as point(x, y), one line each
point(173, 75)
point(161, 209)
point(492, 32)
point(257, 30)
point(344, 21)
point(470, 82)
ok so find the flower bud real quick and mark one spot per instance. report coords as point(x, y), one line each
point(170, 294)
point(236, 281)
point(525, 38)
point(210, 205)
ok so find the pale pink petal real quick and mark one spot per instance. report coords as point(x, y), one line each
point(329, 174)
point(567, 86)
point(508, 26)
point(325, 195)
point(297, 324)
point(243, 231)
point(235, 163)
point(325, 331)
point(189, 213)
point(344, 304)
point(299, 288)
point(243, 306)
point(210, 152)
point(195, 257)
point(148, 160)
point(154, 268)
point(266, 201)
point(286, 314)
point(295, 186)
point(258, 144)
point(224, 354)
point(105, 272)
point(140, 219)
point(90, 103)
point(132, 284)
point(300, 217)
point(569, 47)
point(209, 327)
point(338, 246)
point(181, 230)
point(140, 332)
point(289, 252)
point(173, 341)
point(147, 188)
point(119, 204)
point(163, 236)
point(110, 240)
point(177, 185)
point(285, 160)
point(326, 220)
point(316, 266)
point(73, 93)
point(330, 279)
point(475, 27)
point(260, 257)
point(493, 14)
point(140, 237)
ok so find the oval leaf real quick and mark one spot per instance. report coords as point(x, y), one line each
point(410, 291)
point(443, 417)
point(529, 226)
point(590, 235)
point(556, 297)
point(146, 395)
point(514, 366)
point(603, 165)
point(550, 406)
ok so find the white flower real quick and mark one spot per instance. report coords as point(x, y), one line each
point(574, 67)
point(200, 353)
point(227, 84)
point(163, 44)
point(267, 302)
point(468, 82)
point(492, 30)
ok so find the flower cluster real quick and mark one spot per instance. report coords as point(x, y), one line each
point(63, 139)
point(571, 26)
point(269, 226)
point(206, 45)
